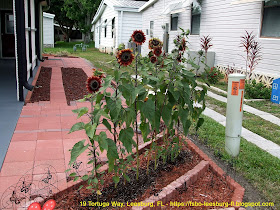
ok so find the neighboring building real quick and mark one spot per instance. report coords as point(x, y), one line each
point(225, 22)
point(21, 41)
point(48, 29)
point(76, 34)
point(114, 23)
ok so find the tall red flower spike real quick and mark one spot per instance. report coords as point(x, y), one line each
point(138, 37)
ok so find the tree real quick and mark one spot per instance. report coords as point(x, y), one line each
point(65, 24)
point(82, 11)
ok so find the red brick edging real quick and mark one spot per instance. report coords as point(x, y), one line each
point(238, 189)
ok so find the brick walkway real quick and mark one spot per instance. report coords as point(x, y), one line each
point(41, 136)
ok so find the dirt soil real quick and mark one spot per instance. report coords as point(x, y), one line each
point(74, 82)
point(252, 194)
point(41, 90)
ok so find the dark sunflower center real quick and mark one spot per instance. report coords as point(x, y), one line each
point(125, 56)
point(94, 85)
point(155, 42)
point(139, 37)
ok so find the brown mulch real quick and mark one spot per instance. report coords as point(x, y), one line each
point(41, 90)
point(74, 82)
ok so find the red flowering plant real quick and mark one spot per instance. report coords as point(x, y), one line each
point(213, 75)
point(159, 90)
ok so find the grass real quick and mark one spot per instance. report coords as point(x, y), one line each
point(256, 165)
point(266, 106)
point(254, 123)
point(98, 59)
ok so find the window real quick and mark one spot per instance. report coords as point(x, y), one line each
point(113, 27)
point(105, 29)
point(174, 22)
point(195, 19)
point(271, 19)
point(151, 28)
point(9, 24)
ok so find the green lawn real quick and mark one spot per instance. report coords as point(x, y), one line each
point(254, 123)
point(257, 166)
point(266, 106)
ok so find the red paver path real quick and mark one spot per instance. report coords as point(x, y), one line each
point(41, 136)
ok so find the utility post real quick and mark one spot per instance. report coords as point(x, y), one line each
point(235, 100)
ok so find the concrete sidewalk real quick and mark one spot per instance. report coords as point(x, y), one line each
point(41, 136)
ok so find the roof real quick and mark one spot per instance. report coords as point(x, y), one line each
point(48, 15)
point(128, 3)
point(120, 5)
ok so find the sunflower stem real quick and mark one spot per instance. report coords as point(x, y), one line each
point(135, 107)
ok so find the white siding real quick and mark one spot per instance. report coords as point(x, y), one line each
point(107, 43)
point(131, 21)
point(225, 23)
point(48, 32)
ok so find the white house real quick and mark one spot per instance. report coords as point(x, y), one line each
point(48, 29)
point(114, 23)
point(225, 21)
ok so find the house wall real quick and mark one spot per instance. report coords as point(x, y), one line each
point(131, 22)
point(107, 44)
point(225, 23)
point(48, 32)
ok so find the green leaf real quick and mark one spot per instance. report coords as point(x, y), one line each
point(81, 186)
point(112, 153)
point(116, 179)
point(72, 174)
point(125, 137)
point(107, 124)
point(99, 97)
point(85, 177)
point(77, 149)
point(145, 130)
point(129, 116)
point(102, 141)
point(199, 123)
point(76, 178)
point(166, 113)
point(117, 75)
point(81, 111)
point(148, 110)
point(114, 106)
point(107, 83)
point(78, 126)
point(126, 177)
point(90, 129)
point(186, 127)
point(95, 180)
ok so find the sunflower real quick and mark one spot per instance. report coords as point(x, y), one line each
point(157, 51)
point(154, 42)
point(138, 37)
point(125, 57)
point(153, 59)
point(93, 84)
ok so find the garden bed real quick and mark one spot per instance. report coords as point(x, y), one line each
point(74, 82)
point(41, 91)
point(165, 184)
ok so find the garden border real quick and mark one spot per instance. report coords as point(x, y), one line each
point(190, 177)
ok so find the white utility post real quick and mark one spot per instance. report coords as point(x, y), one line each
point(235, 99)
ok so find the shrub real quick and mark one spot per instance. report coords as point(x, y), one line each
point(121, 46)
point(256, 90)
point(213, 75)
